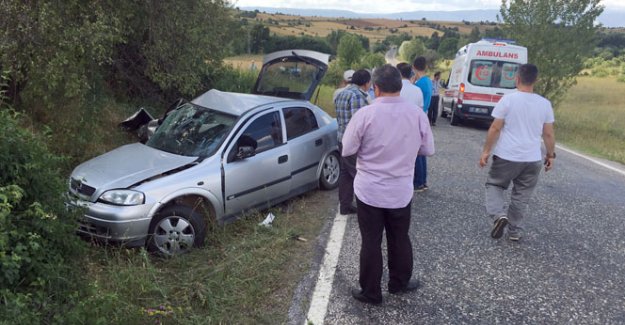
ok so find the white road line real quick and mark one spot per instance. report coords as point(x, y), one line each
point(620, 171)
point(323, 288)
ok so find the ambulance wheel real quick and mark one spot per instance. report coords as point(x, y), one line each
point(455, 120)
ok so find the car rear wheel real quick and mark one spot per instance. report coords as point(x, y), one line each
point(329, 178)
point(443, 112)
point(176, 230)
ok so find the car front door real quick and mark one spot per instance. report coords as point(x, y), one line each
point(258, 178)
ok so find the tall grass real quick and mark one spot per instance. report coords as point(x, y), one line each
point(245, 275)
point(592, 118)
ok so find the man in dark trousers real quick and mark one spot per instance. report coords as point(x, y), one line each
point(386, 137)
point(522, 118)
point(347, 103)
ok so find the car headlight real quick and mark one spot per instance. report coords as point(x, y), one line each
point(123, 197)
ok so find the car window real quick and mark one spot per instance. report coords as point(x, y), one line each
point(497, 74)
point(299, 121)
point(265, 132)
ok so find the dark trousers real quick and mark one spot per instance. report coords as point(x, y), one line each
point(420, 171)
point(347, 172)
point(372, 222)
point(433, 109)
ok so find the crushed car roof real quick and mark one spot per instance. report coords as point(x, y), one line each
point(233, 103)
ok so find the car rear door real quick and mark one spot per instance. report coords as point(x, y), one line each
point(306, 145)
point(265, 177)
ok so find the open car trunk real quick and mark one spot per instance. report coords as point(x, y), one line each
point(291, 74)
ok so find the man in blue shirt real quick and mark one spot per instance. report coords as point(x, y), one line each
point(424, 83)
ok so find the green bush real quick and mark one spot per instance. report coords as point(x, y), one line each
point(38, 245)
point(235, 80)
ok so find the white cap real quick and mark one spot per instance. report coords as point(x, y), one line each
point(347, 75)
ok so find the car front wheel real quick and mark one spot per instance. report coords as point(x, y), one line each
point(329, 178)
point(176, 230)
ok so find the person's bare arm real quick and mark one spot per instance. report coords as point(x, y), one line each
point(491, 139)
point(550, 144)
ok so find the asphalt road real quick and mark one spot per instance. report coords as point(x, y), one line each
point(567, 269)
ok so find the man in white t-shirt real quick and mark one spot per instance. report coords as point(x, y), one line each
point(409, 91)
point(522, 118)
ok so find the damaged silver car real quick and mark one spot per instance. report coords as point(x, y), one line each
point(213, 158)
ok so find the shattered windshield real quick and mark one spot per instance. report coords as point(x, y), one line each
point(192, 130)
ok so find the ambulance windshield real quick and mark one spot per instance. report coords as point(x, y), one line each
point(491, 73)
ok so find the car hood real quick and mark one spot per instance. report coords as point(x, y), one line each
point(125, 166)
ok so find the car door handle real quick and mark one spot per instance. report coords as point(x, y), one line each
point(318, 142)
point(283, 159)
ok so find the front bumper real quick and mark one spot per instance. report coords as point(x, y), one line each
point(121, 224)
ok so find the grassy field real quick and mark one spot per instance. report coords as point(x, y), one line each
point(374, 29)
point(591, 118)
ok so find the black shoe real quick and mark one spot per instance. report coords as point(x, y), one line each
point(357, 294)
point(349, 210)
point(412, 286)
point(498, 227)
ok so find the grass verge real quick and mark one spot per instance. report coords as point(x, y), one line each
point(591, 118)
point(246, 274)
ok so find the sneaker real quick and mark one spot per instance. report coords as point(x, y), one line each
point(420, 189)
point(498, 227)
point(426, 187)
point(514, 236)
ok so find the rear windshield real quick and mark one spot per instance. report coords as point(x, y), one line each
point(496, 74)
point(289, 77)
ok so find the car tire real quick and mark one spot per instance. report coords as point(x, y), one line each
point(330, 168)
point(176, 230)
point(455, 120)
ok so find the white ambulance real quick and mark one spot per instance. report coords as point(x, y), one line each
point(481, 73)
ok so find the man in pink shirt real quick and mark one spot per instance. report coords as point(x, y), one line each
point(386, 136)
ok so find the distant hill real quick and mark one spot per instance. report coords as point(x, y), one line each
point(609, 18)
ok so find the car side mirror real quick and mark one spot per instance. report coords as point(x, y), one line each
point(245, 152)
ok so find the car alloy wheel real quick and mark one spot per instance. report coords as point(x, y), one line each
point(330, 172)
point(176, 230)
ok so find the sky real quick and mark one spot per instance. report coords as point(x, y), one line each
point(381, 6)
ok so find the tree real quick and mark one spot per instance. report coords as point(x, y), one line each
point(409, 50)
point(349, 50)
point(434, 42)
point(448, 48)
point(475, 35)
point(259, 36)
point(372, 60)
point(558, 34)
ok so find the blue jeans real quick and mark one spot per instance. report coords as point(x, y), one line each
point(420, 172)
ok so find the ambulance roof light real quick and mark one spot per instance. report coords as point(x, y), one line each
point(499, 40)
